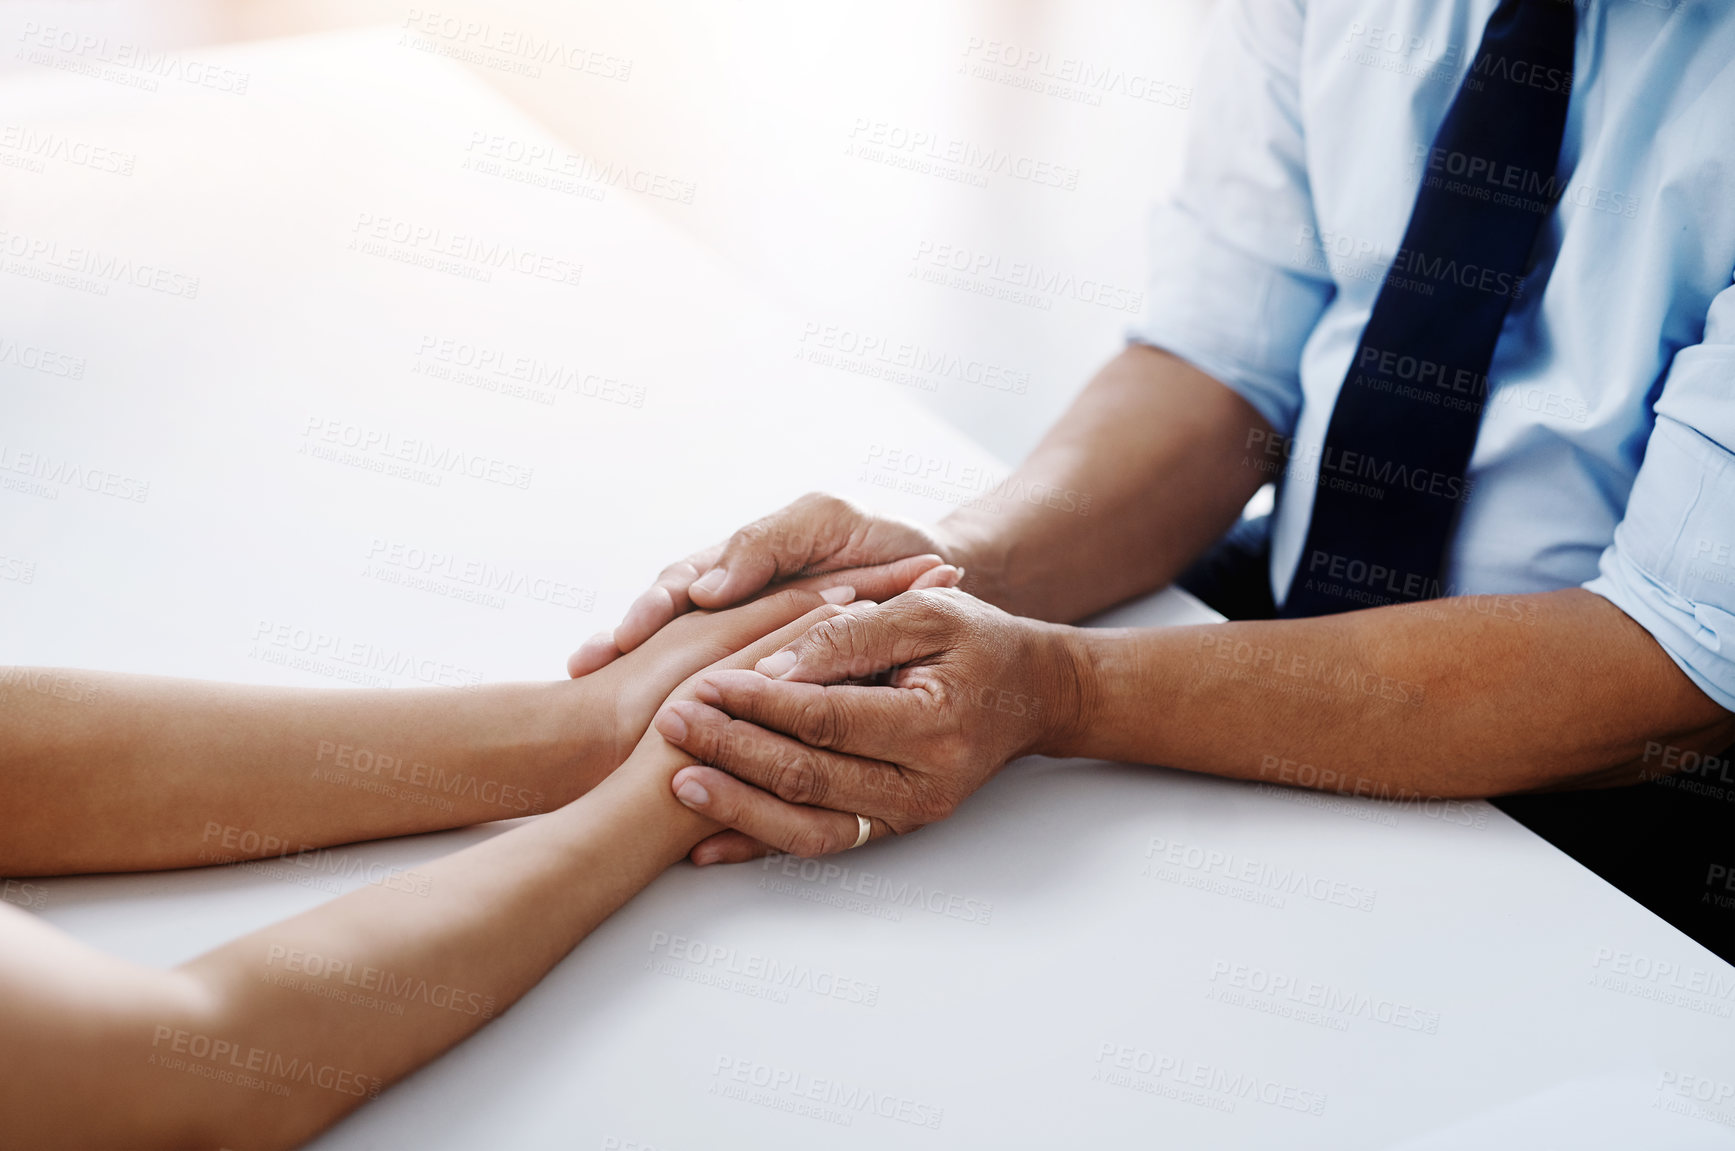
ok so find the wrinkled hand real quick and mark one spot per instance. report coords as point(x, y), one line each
point(637, 685)
point(815, 534)
point(798, 745)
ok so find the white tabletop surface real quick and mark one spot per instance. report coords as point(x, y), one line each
point(1074, 960)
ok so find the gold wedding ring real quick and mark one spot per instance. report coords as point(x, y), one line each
point(863, 827)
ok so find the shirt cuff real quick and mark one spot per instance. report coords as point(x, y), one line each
point(1672, 564)
point(1237, 317)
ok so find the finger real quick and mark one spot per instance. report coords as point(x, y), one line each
point(788, 769)
point(944, 575)
point(650, 613)
point(786, 542)
point(877, 581)
point(662, 602)
point(596, 652)
point(727, 847)
point(730, 631)
point(767, 625)
point(864, 643)
point(888, 724)
point(786, 827)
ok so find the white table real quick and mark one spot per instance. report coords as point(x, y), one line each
point(1071, 961)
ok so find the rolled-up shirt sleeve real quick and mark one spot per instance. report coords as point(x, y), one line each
point(1671, 566)
point(1237, 277)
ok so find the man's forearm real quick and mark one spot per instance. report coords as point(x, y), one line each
point(125, 772)
point(1144, 471)
point(1470, 696)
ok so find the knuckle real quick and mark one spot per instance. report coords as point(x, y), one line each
point(679, 571)
point(730, 747)
point(816, 723)
point(842, 642)
point(796, 777)
point(933, 807)
point(808, 842)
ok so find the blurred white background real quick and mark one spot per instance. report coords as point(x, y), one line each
point(950, 189)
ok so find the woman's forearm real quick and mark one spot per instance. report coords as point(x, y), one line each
point(269, 1039)
point(106, 772)
point(380, 981)
point(124, 772)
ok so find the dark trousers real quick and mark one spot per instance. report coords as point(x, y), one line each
point(1668, 843)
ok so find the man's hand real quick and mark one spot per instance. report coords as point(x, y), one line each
point(799, 745)
point(815, 534)
point(637, 686)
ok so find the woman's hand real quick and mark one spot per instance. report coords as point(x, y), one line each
point(638, 683)
point(817, 533)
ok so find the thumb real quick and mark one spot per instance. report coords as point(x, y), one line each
point(781, 544)
point(861, 642)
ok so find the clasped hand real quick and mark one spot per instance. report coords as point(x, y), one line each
point(895, 711)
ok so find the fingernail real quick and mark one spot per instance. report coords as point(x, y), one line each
point(711, 581)
point(671, 725)
point(960, 575)
point(692, 794)
point(776, 664)
point(837, 594)
point(708, 693)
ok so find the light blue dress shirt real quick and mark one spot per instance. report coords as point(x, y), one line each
point(1606, 456)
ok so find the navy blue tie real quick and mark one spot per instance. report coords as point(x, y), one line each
point(1392, 469)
